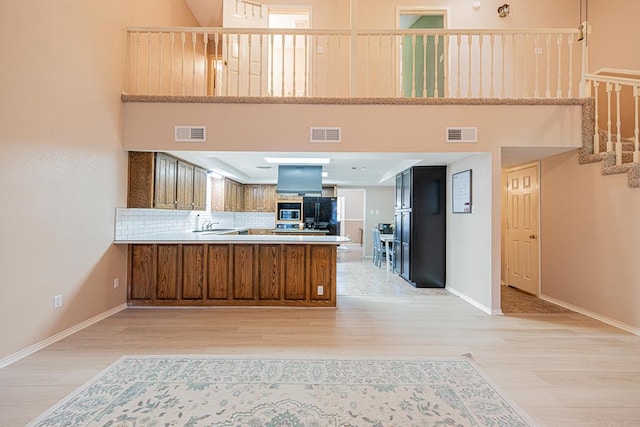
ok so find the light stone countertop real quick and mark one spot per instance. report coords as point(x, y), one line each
point(216, 237)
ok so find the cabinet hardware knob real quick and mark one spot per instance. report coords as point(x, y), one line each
point(532, 236)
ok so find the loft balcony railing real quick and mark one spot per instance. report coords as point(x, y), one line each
point(532, 63)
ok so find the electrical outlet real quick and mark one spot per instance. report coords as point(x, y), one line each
point(320, 290)
point(57, 301)
point(116, 283)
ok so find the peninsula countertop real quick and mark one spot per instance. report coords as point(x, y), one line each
point(215, 236)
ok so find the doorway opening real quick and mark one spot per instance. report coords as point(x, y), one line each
point(422, 59)
point(288, 56)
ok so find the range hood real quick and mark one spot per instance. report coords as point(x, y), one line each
point(300, 180)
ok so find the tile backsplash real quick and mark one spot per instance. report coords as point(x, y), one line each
point(131, 223)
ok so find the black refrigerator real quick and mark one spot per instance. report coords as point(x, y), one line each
point(321, 213)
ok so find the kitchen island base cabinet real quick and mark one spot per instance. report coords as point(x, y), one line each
point(302, 275)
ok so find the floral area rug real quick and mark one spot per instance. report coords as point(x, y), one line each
point(209, 391)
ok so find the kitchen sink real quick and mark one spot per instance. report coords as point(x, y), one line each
point(215, 230)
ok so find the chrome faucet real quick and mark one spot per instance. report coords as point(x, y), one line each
point(208, 225)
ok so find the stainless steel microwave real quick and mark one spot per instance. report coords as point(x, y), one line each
point(288, 214)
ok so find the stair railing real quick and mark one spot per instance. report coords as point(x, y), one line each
point(617, 92)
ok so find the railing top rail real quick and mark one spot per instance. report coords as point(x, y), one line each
point(617, 71)
point(474, 31)
point(307, 31)
point(613, 79)
point(225, 30)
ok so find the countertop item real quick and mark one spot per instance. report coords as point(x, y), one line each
point(303, 231)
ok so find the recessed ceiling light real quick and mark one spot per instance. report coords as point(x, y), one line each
point(298, 160)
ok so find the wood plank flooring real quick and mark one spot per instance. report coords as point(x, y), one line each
point(563, 369)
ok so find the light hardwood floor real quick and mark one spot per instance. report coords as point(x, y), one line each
point(562, 369)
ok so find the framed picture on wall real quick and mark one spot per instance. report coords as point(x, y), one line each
point(461, 191)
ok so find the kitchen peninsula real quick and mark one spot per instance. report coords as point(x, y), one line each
point(216, 269)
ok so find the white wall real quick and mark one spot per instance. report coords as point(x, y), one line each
point(378, 205)
point(470, 250)
point(590, 239)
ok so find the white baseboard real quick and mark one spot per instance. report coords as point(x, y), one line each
point(57, 337)
point(591, 314)
point(474, 303)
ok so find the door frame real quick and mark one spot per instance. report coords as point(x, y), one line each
point(445, 11)
point(505, 230)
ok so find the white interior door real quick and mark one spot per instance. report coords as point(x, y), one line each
point(245, 54)
point(522, 229)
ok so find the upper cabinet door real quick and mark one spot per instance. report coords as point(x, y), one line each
point(165, 182)
point(199, 189)
point(184, 190)
point(407, 182)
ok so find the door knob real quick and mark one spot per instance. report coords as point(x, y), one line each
point(532, 236)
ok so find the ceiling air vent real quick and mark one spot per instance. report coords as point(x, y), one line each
point(191, 133)
point(326, 134)
point(462, 134)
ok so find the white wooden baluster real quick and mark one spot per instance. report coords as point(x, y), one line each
point(547, 92)
point(445, 65)
point(525, 81)
point(559, 65)
point(436, 65)
point(173, 44)
point(570, 88)
point(160, 63)
point(596, 134)
point(391, 81)
point(137, 61)
point(148, 63)
point(193, 63)
point(618, 88)
point(272, 49)
point(314, 65)
point(492, 72)
point(306, 66)
point(217, 83)
point(609, 141)
point(261, 73)
point(338, 67)
point(459, 71)
point(636, 152)
point(425, 39)
point(480, 77)
point(205, 68)
point(295, 37)
point(413, 66)
point(470, 43)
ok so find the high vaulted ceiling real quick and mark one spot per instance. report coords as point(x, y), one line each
point(207, 12)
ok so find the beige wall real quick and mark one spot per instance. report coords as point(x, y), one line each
point(589, 239)
point(378, 206)
point(63, 170)
point(614, 27)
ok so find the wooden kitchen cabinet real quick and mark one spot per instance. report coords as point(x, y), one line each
point(259, 198)
point(231, 274)
point(227, 195)
point(165, 182)
point(157, 180)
